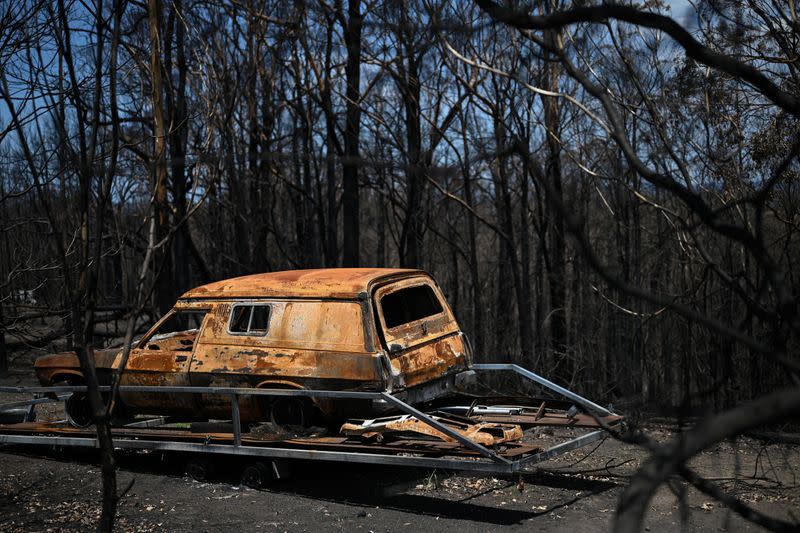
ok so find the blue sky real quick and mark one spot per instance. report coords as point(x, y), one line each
point(682, 11)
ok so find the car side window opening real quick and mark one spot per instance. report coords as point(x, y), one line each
point(178, 332)
point(409, 304)
point(249, 319)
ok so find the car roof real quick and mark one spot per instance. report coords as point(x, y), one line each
point(340, 283)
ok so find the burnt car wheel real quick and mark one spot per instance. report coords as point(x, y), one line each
point(77, 407)
point(285, 412)
point(79, 411)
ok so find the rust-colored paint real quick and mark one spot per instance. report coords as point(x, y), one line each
point(428, 348)
point(65, 366)
point(324, 331)
point(484, 433)
point(345, 283)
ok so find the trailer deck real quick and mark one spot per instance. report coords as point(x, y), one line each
point(452, 451)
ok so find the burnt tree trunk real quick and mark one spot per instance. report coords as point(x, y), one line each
point(477, 329)
point(163, 264)
point(178, 136)
point(350, 186)
point(557, 252)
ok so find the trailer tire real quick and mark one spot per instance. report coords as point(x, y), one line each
point(256, 475)
point(199, 469)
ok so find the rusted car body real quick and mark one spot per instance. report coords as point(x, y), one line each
point(364, 329)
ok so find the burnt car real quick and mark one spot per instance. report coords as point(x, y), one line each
point(355, 329)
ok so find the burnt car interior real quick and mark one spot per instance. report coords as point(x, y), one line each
point(178, 332)
point(408, 305)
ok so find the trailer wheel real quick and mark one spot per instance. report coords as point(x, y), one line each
point(256, 475)
point(199, 469)
point(77, 407)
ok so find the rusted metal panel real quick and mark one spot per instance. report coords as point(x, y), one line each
point(345, 283)
point(423, 349)
point(267, 363)
point(160, 361)
point(160, 367)
point(430, 361)
point(65, 366)
point(309, 343)
point(484, 433)
point(420, 331)
point(580, 420)
point(317, 325)
point(320, 340)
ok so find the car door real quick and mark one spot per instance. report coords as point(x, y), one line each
point(231, 346)
point(162, 358)
point(418, 330)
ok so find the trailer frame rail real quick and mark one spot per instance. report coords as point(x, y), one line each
point(470, 457)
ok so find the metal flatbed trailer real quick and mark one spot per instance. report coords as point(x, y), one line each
point(458, 452)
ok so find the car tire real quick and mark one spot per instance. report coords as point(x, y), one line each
point(77, 406)
point(290, 411)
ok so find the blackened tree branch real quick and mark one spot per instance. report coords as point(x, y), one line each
point(693, 48)
point(745, 511)
point(670, 459)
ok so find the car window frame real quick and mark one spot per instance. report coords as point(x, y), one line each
point(141, 343)
point(249, 333)
point(423, 282)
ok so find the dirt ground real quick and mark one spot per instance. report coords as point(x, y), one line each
point(49, 490)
